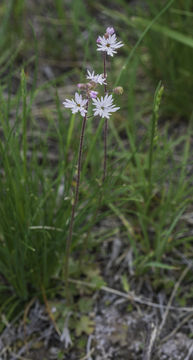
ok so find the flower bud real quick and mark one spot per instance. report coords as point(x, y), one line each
point(118, 90)
point(110, 30)
point(81, 86)
point(98, 40)
point(91, 85)
point(93, 94)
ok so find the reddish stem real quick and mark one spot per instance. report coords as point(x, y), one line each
point(69, 240)
point(105, 150)
point(105, 74)
point(106, 125)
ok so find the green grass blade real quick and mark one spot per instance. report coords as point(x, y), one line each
point(172, 34)
point(148, 27)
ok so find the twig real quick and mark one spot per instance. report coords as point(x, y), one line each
point(27, 308)
point(190, 351)
point(86, 357)
point(150, 343)
point(49, 312)
point(65, 336)
point(130, 296)
point(171, 299)
point(88, 347)
point(186, 319)
point(20, 357)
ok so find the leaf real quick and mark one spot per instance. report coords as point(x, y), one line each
point(85, 304)
point(161, 265)
point(172, 34)
point(85, 325)
point(125, 283)
point(95, 278)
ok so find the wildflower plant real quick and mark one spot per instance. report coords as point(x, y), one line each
point(103, 106)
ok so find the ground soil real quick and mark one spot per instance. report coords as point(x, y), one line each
point(138, 325)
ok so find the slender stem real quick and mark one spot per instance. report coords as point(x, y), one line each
point(49, 310)
point(24, 119)
point(105, 149)
point(69, 239)
point(106, 123)
point(105, 74)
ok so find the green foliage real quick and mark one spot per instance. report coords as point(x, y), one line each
point(85, 325)
point(36, 192)
point(156, 190)
point(30, 239)
point(169, 47)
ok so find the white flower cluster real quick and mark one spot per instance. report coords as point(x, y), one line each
point(102, 106)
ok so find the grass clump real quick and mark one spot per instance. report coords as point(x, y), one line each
point(30, 238)
point(35, 188)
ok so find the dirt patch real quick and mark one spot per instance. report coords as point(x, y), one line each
point(123, 331)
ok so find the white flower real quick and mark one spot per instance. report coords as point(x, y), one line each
point(98, 78)
point(76, 105)
point(104, 106)
point(109, 44)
